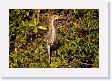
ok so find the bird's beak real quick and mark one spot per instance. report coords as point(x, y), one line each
point(62, 17)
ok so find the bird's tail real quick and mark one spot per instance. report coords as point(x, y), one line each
point(48, 48)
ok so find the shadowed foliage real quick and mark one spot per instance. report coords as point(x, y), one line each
point(76, 46)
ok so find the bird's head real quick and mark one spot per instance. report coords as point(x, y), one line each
point(54, 17)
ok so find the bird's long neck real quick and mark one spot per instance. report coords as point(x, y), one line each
point(52, 25)
point(53, 36)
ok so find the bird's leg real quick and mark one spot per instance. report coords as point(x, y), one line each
point(48, 48)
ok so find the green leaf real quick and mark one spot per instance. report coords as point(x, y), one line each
point(23, 23)
point(34, 21)
point(42, 27)
point(31, 24)
point(27, 13)
point(54, 64)
point(35, 30)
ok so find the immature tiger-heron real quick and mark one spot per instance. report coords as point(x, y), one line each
point(52, 32)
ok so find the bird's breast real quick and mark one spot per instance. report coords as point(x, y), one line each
point(52, 36)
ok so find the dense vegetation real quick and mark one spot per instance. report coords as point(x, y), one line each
point(76, 46)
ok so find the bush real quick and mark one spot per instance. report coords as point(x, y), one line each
point(77, 44)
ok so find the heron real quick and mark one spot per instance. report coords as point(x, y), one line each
point(52, 32)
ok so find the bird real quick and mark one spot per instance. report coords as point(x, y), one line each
point(51, 35)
